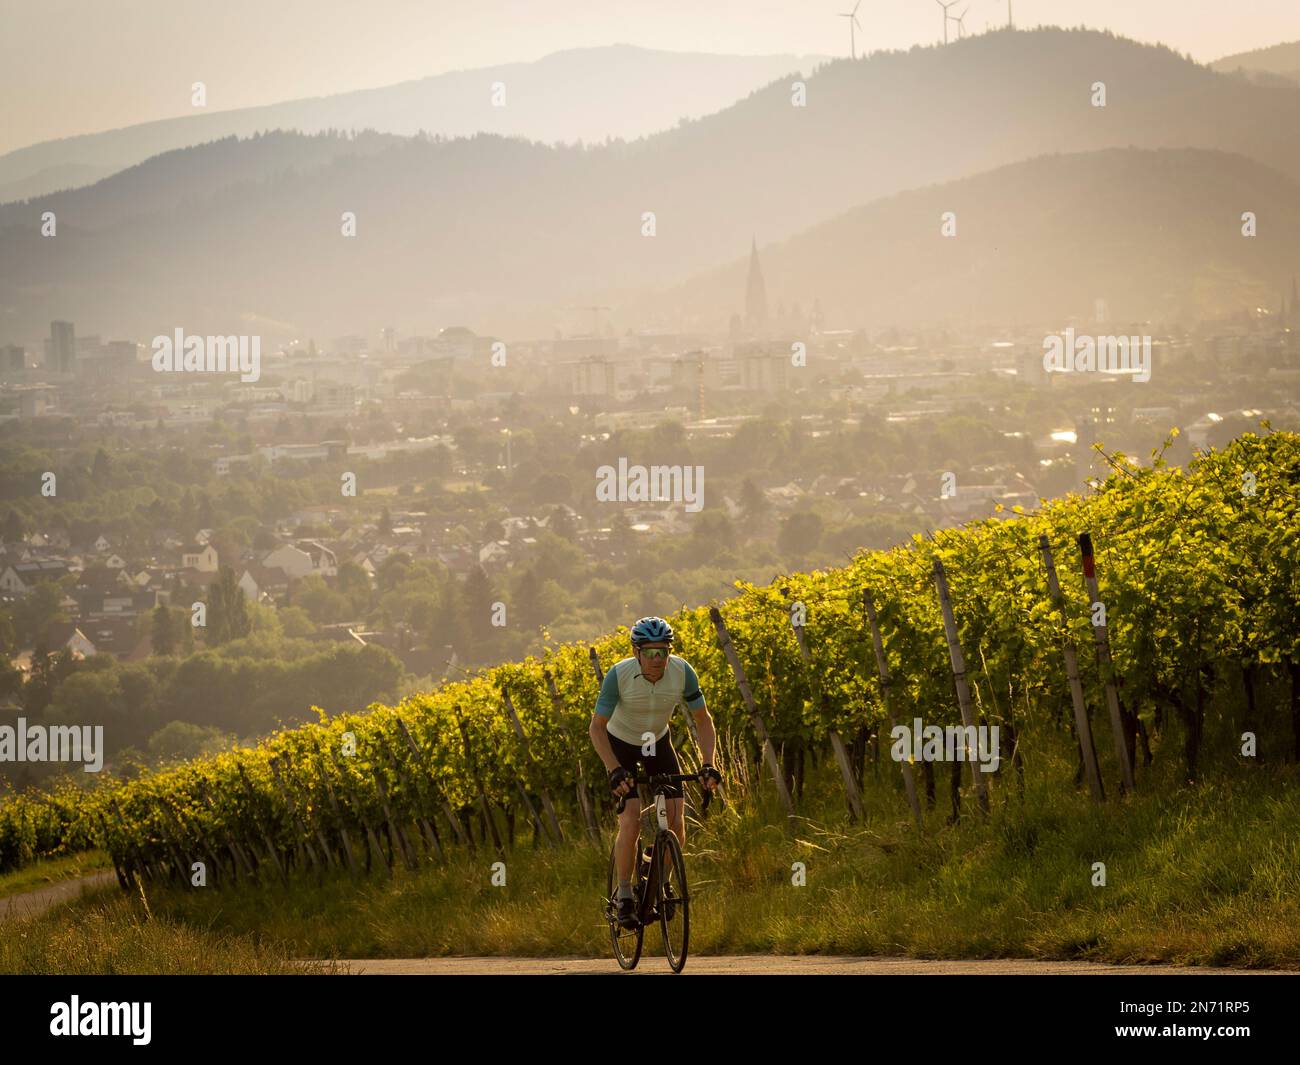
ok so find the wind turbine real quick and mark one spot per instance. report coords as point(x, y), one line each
point(961, 22)
point(852, 16)
point(946, 16)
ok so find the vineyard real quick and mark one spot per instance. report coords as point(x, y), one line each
point(1164, 607)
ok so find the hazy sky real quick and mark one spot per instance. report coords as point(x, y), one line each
point(77, 66)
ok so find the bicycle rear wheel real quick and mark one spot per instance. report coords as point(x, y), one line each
point(626, 941)
point(673, 900)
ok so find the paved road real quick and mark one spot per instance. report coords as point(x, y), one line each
point(30, 903)
point(751, 964)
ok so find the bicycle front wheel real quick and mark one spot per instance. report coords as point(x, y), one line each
point(673, 900)
point(626, 942)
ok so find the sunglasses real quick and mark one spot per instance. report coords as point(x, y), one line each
point(654, 653)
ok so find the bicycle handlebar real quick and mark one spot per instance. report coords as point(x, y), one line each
point(666, 778)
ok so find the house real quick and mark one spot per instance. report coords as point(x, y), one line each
point(115, 562)
point(493, 552)
point(458, 559)
point(104, 581)
point(516, 526)
point(22, 577)
point(204, 560)
point(295, 562)
point(545, 522)
point(193, 581)
point(785, 495)
point(342, 632)
point(971, 501)
point(323, 560)
point(112, 635)
point(258, 581)
point(59, 635)
point(101, 544)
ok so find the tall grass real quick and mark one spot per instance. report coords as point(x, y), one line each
point(1206, 875)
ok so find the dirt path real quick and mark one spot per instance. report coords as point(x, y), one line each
point(30, 903)
point(785, 965)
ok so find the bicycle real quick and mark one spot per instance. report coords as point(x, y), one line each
point(660, 890)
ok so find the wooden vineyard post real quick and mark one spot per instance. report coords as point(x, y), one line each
point(134, 857)
point(1082, 725)
point(457, 828)
point(552, 823)
point(584, 797)
point(886, 683)
point(1102, 640)
point(478, 782)
point(298, 818)
point(823, 705)
point(338, 815)
point(266, 836)
point(427, 832)
point(120, 865)
point(371, 835)
point(304, 845)
point(239, 860)
point(165, 804)
point(959, 678)
point(394, 829)
point(756, 720)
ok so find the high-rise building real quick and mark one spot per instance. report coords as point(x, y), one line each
point(13, 357)
point(121, 353)
point(755, 294)
point(62, 354)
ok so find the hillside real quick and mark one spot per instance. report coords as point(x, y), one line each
point(1278, 65)
point(641, 91)
point(1157, 234)
point(501, 235)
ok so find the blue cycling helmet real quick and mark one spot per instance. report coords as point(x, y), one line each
point(652, 630)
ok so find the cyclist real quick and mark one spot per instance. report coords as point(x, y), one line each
point(630, 725)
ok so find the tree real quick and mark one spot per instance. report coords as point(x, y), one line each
point(48, 672)
point(180, 739)
point(163, 636)
point(552, 488)
point(527, 599)
point(34, 613)
point(476, 599)
point(562, 523)
point(754, 505)
point(227, 611)
point(322, 603)
point(800, 534)
point(102, 467)
point(354, 583)
point(385, 522)
point(13, 531)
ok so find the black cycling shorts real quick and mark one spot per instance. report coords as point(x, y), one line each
point(664, 760)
